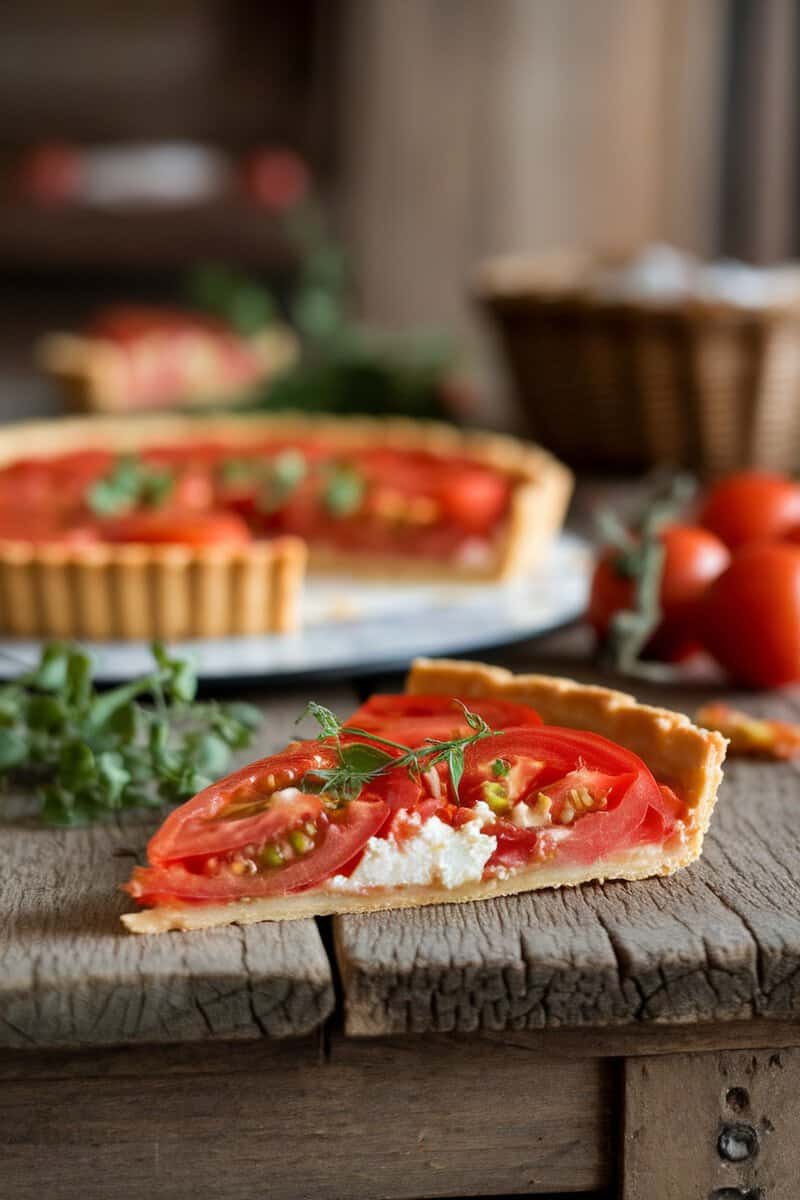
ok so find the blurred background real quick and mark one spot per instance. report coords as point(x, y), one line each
point(137, 140)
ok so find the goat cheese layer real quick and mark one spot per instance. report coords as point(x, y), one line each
point(435, 854)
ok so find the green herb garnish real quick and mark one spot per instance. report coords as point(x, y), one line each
point(500, 768)
point(344, 490)
point(130, 484)
point(89, 754)
point(361, 762)
point(281, 477)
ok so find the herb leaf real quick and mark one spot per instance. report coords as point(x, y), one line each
point(90, 754)
point(361, 762)
point(344, 490)
point(132, 482)
point(328, 722)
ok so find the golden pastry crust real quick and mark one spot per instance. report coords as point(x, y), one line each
point(678, 752)
point(134, 591)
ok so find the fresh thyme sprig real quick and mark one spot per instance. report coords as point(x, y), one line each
point(87, 754)
point(639, 556)
point(361, 762)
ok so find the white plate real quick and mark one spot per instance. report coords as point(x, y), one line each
point(354, 627)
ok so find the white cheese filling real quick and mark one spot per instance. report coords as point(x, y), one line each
point(437, 854)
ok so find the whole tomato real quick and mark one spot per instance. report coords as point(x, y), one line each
point(750, 616)
point(693, 558)
point(751, 506)
point(278, 179)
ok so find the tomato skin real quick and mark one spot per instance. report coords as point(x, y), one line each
point(277, 179)
point(412, 719)
point(635, 795)
point(184, 527)
point(343, 837)
point(474, 498)
point(751, 616)
point(751, 506)
point(693, 558)
point(196, 827)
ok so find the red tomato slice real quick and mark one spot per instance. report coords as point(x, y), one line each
point(46, 526)
point(199, 827)
point(474, 497)
point(188, 527)
point(515, 846)
point(412, 719)
point(342, 837)
point(563, 751)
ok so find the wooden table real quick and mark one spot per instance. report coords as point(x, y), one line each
point(642, 1035)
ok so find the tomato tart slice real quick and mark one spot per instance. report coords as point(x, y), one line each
point(137, 358)
point(475, 784)
point(182, 526)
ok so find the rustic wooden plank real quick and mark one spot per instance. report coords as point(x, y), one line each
point(376, 1120)
point(718, 942)
point(70, 975)
point(219, 1056)
point(733, 1134)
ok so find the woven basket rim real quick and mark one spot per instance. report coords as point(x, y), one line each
point(515, 292)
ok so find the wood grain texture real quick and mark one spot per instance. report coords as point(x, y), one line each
point(230, 1057)
point(720, 941)
point(391, 1120)
point(733, 1134)
point(70, 975)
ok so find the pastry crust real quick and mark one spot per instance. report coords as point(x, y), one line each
point(678, 752)
point(135, 591)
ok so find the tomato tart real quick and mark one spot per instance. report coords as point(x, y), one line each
point(475, 784)
point(186, 526)
point(134, 358)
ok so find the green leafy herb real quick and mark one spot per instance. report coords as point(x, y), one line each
point(88, 754)
point(500, 768)
point(361, 762)
point(344, 490)
point(131, 483)
point(281, 477)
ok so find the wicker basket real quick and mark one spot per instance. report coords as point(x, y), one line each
point(711, 386)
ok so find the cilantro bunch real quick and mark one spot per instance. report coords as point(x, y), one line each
point(89, 754)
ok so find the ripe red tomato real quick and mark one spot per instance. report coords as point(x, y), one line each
point(411, 719)
point(751, 506)
point(750, 616)
point(634, 797)
point(474, 498)
point(693, 558)
point(213, 847)
point(340, 838)
point(189, 527)
point(51, 173)
point(278, 179)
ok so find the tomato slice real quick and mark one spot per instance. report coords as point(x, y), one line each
point(412, 719)
point(474, 497)
point(186, 527)
point(240, 809)
point(563, 751)
point(341, 839)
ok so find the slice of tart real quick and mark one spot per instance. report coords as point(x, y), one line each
point(179, 527)
point(475, 784)
point(137, 358)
